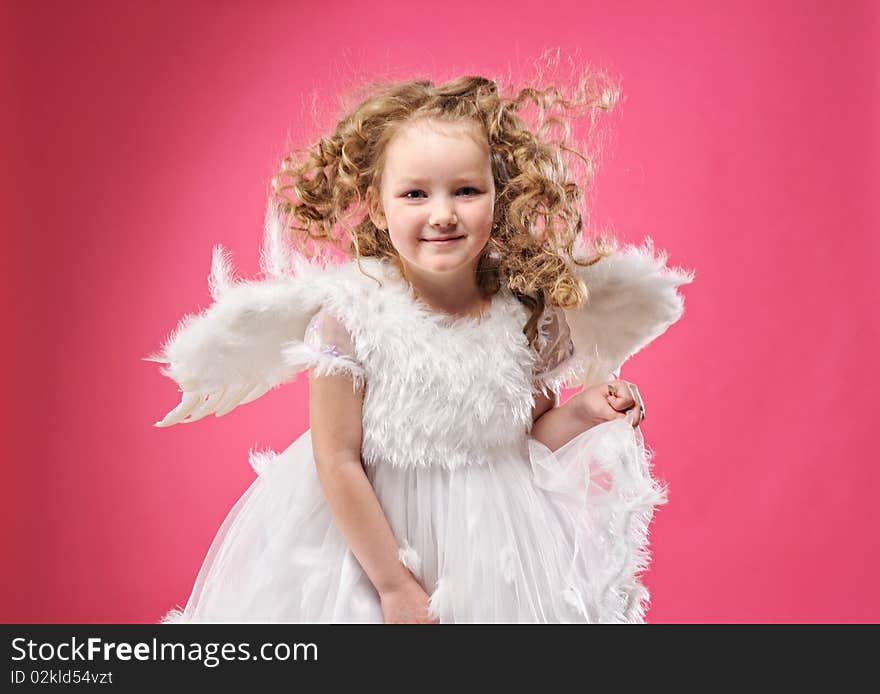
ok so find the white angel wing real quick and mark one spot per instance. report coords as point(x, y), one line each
point(234, 351)
point(632, 299)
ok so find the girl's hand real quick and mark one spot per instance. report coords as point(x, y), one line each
point(611, 400)
point(406, 604)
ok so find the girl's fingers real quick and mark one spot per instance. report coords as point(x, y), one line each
point(637, 415)
point(636, 406)
point(624, 396)
point(611, 413)
point(622, 401)
point(640, 403)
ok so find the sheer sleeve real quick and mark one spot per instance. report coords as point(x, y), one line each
point(332, 349)
point(554, 361)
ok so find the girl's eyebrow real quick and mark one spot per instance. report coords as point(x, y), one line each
point(464, 178)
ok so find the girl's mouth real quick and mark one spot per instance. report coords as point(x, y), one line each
point(444, 240)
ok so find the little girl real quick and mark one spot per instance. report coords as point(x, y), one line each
point(440, 481)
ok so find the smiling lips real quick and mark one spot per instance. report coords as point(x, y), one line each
point(443, 240)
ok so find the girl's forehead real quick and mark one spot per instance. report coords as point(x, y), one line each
point(422, 128)
point(429, 144)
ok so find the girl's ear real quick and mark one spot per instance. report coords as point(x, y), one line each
point(374, 208)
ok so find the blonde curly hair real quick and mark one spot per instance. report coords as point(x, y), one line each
point(325, 190)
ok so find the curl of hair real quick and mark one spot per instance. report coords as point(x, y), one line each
point(325, 190)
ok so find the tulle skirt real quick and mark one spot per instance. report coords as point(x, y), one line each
point(533, 536)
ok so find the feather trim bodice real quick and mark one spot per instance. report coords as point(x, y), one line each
point(440, 391)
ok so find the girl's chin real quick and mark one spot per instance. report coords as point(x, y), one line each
point(443, 264)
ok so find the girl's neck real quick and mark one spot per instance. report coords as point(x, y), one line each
point(455, 293)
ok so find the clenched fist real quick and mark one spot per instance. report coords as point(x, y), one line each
point(611, 400)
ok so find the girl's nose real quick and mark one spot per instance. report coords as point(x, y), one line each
point(443, 216)
point(443, 219)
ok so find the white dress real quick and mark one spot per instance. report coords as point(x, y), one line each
point(495, 526)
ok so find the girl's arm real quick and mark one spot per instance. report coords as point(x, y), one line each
point(335, 413)
point(554, 426)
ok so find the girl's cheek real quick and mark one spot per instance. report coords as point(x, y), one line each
point(486, 213)
point(410, 223)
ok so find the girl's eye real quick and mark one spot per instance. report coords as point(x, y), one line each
point(416, 194)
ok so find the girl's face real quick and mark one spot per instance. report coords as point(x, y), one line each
point(437, 196)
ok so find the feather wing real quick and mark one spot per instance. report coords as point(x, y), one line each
point(234, 351)
point(632, 299)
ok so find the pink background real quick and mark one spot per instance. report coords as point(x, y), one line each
point(141, 134)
